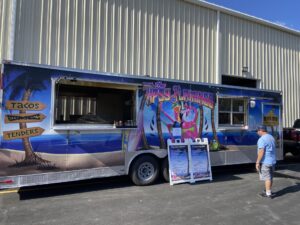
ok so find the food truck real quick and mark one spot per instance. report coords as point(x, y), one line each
point(61, 125)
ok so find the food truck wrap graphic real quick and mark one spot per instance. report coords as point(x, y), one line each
point(84, 124)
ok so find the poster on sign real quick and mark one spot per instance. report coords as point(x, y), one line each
point(200, 160)
point(189, 160)
point(178, 152)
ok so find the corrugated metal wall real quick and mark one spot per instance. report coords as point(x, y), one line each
point(5, 27)
point(271, 55)
point(160, 38)
point(171, 39)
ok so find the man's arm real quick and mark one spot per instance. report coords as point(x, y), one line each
point(260, 155)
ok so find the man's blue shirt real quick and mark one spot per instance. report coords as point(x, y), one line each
point(267, 142)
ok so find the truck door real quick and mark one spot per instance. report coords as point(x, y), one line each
point(271, 117)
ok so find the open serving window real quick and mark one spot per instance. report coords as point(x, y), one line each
point(89, 102)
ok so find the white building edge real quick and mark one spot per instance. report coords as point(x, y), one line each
point(178, 39)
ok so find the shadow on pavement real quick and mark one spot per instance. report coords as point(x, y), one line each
point(51, 190)
point(287, 190)
point(220, 174)
point(230, 172)
point(277, 174)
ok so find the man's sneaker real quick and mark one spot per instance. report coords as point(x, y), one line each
point(264, 195)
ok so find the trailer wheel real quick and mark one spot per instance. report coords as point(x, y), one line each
point(165, 169)
point(295, 153)
point(144, 170)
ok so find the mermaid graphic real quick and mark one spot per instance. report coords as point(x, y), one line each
point(185, 117)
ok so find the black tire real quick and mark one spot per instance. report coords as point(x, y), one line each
point(295, 153)
point(144, 170)
point(165, 169)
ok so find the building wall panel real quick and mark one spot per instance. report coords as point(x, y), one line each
point(5, 28)
point(271, 55)
point(170, 39)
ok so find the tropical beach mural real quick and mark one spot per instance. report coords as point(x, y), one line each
point(163, 110)
point(271, 117)
point(18, 93)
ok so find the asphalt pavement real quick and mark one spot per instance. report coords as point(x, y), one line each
point(231, 198)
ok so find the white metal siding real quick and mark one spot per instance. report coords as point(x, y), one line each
point(5, 27)
point(169, 38)
point(160, 38)
point(271, 55)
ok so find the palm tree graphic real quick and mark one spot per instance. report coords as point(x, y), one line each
point(159, 128)
point(201, 116)
point(24, 86)
point(144, 138)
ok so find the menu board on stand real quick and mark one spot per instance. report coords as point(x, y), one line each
point(189, 160)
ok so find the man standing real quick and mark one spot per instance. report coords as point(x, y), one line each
point(266, 159)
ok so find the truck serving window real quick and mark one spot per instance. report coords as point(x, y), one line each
point(84, 102)
point(232, 112)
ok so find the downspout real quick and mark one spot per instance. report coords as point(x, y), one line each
point(12, 30)
point(217, 51)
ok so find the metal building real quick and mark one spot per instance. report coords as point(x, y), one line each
point(179, 39)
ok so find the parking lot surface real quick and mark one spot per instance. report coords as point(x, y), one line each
point(231, 198)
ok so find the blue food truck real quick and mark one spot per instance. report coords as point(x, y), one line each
point(60, 125)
